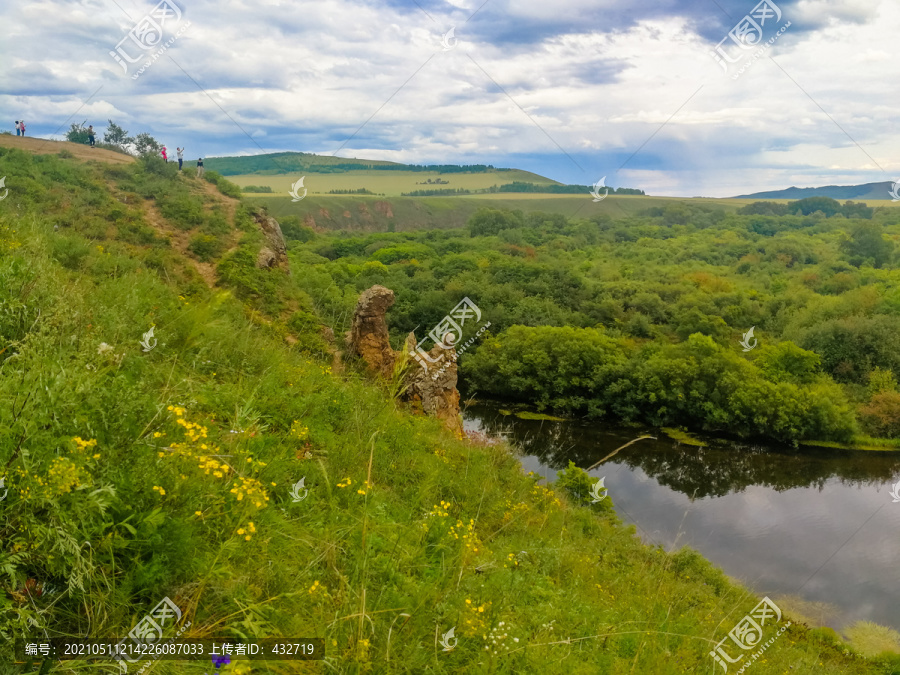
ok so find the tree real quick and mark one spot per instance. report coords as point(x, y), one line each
point(145, 144)
point(116, 135)
point(487, 222)
point(867, 243)
point(826, 205)
point(77, 134)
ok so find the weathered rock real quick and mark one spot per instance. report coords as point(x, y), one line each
point(274, 251)
point(368, 336)
point(266, 258)
point(435, 387)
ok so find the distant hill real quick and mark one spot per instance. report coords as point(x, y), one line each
point(839, 192)
point(291, 162)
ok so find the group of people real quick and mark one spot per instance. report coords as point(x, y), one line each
point(164, 152)
point(20, 127)
point(180, 155)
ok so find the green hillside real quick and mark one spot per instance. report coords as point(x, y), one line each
point(147, 466)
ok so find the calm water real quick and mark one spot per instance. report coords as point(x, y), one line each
point(819, 524)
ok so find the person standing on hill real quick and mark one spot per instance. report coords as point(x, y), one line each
point(22, 126)
point(164, 155)
point(180, 153)
point(91, 135)
point(18, 130)
point(200, 168)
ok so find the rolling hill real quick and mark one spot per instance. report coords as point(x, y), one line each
point(865, 191)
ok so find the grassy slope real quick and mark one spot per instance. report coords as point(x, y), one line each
point(362, 566)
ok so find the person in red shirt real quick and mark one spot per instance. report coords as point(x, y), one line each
point(164, 155)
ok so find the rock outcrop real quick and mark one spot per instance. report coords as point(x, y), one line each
point(274, 252)
point(368, 336)
point(434, 388)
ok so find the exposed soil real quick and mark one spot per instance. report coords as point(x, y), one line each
point(41, 146)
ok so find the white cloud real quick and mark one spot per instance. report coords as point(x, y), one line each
point(307, 75)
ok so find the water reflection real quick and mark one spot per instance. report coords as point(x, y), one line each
point(816, 523)
point(711, 471)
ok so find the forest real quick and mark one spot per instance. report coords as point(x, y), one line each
point(640, 319)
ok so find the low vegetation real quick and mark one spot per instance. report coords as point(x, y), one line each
point(641, 319)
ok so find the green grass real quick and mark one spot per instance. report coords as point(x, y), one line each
point(136, 475)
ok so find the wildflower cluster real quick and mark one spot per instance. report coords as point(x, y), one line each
point(345, 483)
point(437, 511)
point(161, 491)
point(253, 490)
point(366, 486)
point(6, 239)
point(243, 532)
point(512, 560)
point(513, 510)
point(84, 447)
point(64, 474)
point(474, 618)
point(467, 532)
point(497, 638)
point(315, 587)
point(299, 431)
point(218, 469)
point(545, 494)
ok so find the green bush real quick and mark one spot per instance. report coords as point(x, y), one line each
point(205, 246)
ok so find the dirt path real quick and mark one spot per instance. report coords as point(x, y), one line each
point(41, 146)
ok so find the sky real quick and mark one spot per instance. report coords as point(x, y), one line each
point(574, 89)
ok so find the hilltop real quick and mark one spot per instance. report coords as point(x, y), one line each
point(157, 421)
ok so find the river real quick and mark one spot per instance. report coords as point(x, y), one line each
point(818, 525)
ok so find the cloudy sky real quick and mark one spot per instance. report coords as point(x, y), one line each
point(572, 89)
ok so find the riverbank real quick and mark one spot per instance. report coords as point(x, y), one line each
point(803, 524)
